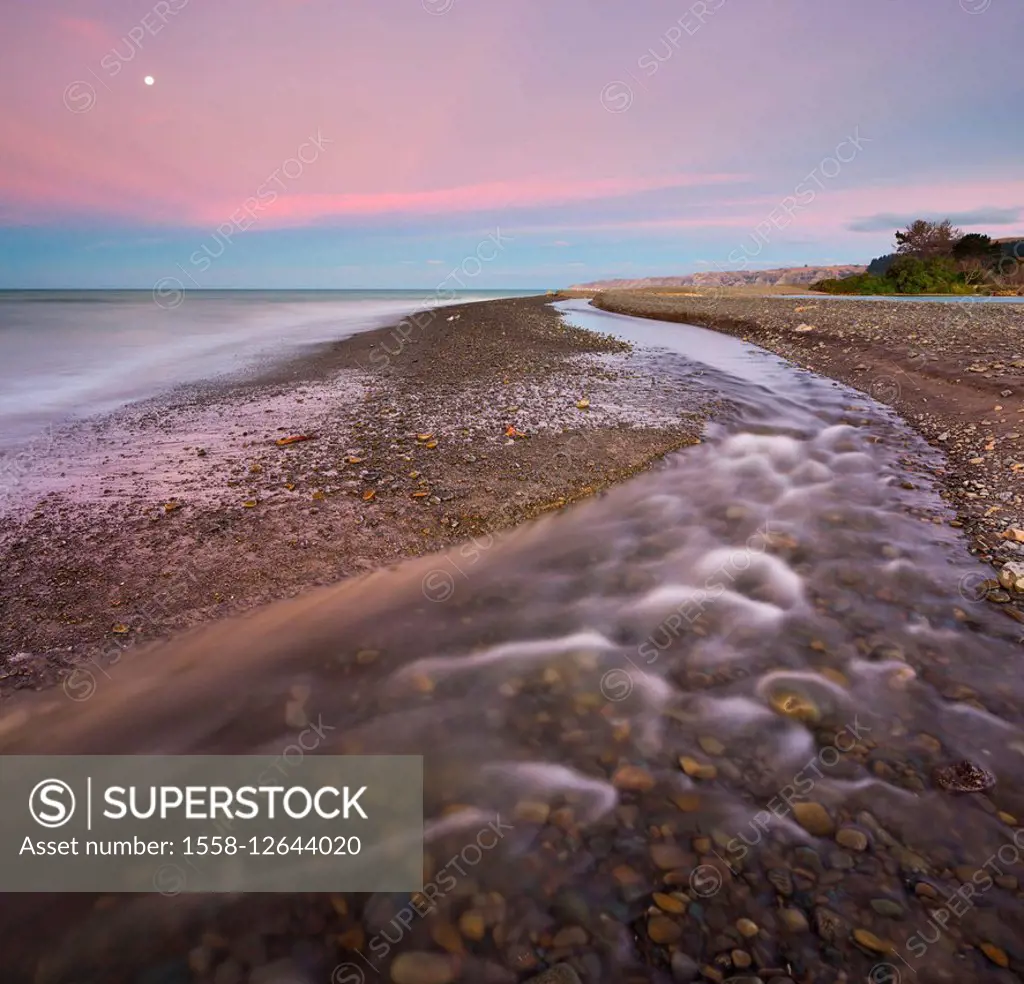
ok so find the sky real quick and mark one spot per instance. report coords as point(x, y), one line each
point(520, 143)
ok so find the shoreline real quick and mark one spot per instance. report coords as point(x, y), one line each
point(522, 670)
point(184, 510)
point(954, 373)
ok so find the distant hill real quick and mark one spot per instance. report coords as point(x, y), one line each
point(731, 278)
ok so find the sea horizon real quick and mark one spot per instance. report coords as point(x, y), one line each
point(69, 354)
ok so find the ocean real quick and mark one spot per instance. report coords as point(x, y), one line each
point(74, 354)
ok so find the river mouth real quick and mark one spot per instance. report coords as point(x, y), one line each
point(714, 697)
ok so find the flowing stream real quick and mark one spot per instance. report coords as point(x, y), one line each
point(643, 688)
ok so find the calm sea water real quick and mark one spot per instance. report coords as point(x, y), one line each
point(73, 354)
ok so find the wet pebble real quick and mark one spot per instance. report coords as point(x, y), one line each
point(424, 968)
point(669, 857)
point(668, 903)
point(888, 908)
point(829, 925)
point(852, 839)
point(747, 928)
point(663, 930)
point(711, 745)
point(472, 925)
point(569, 937)
point(697, 770)
point(684, 968)
point(633, 779)
point(995, 954)
point(814, 818)
point(872, 944)
point(794, 920)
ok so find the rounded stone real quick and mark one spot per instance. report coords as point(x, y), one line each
point(711, 745)
point(668, 903)
point(852, 839)
point(663, 930)
point(684, 968)
point(868, 941)
point(795, 921)
point(570, 936)
point(424, 968)
point(887, 908)
point(697, 770)
point(814, 818)
point(669, 857)
point(472, 925)
point(799, 707)
point(633, 779)
point(997, 956)
point(747, 928)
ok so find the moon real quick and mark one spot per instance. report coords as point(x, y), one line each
point(149, 80)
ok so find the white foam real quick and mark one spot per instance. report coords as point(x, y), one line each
point(781, 452)
point(510, 653)
point(785, 584)
point(854, 462)
point(838, 438)
point(981, 717)
point(735, 712)
point(801, 679)
point(795, 743)
point(811, 472)
point(676, 604)
point(554, 779)
point(454, 822)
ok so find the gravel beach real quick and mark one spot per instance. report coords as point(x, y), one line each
point(814, 777)
point(456, 424)
point(953, 371)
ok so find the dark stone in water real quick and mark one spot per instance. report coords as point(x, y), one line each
point(964, 777)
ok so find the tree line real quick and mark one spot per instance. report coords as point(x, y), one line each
point(937, 258)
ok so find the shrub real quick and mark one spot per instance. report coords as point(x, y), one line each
point(936, 275)
point(859, 283)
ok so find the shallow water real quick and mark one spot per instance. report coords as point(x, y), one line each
point(80, 353)
point(785, 603)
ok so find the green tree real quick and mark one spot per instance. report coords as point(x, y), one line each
point(975, 246)
point(880, 264)
point(926, 239)
point(914, 275)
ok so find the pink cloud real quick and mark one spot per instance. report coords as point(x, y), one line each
point(829, 212)
point(301, 208)
point(85, 29)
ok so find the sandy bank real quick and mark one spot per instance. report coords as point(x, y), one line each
point(183, 510)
